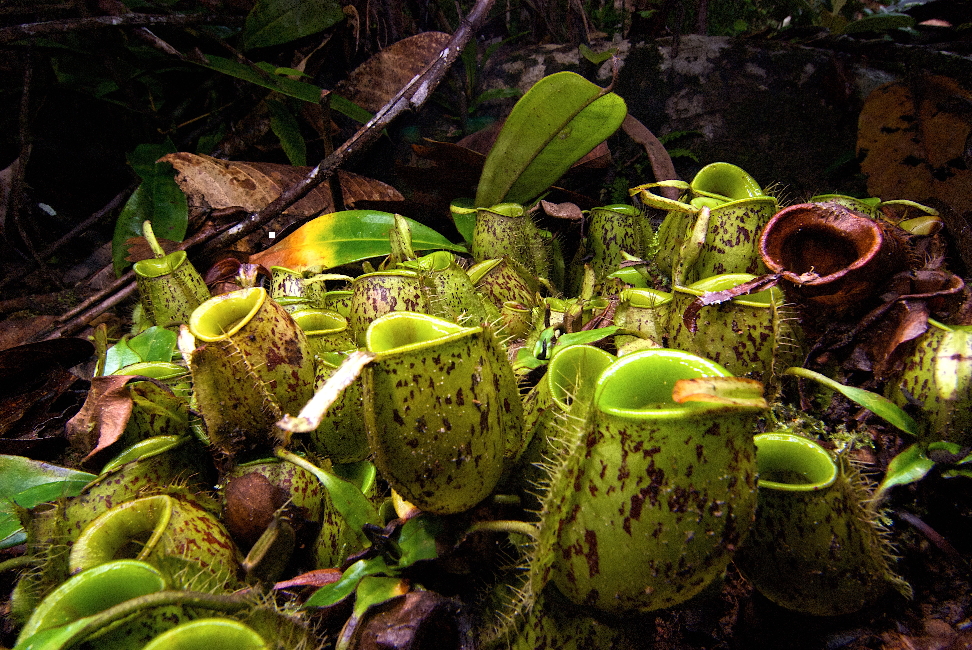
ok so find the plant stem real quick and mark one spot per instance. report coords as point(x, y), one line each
point(18, 562)
point(506, 526)
point(150, 237)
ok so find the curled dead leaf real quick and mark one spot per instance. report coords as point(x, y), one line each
point(737, 391)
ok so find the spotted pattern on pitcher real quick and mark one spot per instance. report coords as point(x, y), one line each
point(653, 515)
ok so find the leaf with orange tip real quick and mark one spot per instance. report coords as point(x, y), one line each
point(344, 237)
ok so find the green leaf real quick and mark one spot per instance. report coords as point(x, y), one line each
point(463, 212)
point(18, 475)
point(11, 531)
point(877, 404)
point(374, 590)
point(880, 22)
point(285, 127)
point(273, 22)
point(118, 356)
point(353, 506)
point(290, 72)
point(492, 95)
point(290, 87)
point(561, 118)
point(349, 109)
point(597, 58)
point(585, 337)
point(154, 344)
point(909, 466)
point(28, 483)
point(337, 591)
point(525, 360)
point(143, 158)
point(417, 539)
point(158, 199)
point(955, 450)
point(344, 237)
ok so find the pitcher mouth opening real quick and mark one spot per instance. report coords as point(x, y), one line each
point(810, 245)
point(792, 463)
point(623, 388)
point(224, 315)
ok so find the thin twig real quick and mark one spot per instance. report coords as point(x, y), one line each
point(934, 537)
point(19, 32)
point(116, 292)
point(149, 37)
point(76, 324)
point(80, 229)
point(413, 95)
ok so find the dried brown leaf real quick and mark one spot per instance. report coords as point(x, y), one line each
point(913, 138)
point(316, 578)
point(216, 184)
point(104, 416)
point(381, 77)
point(566, 210)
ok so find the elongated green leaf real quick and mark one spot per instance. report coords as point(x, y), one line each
point(290, 87)
point(909, 466)
point(337, 591)
point(349, 109)
point(158, 199)
point(18, 474)
point(585, 337)
point(28, 483)
point(553, 125)
point(353, 506)
point(273, 22)
point(880, 22)
point(343, 237)
point(877, 404)
point(285, 127)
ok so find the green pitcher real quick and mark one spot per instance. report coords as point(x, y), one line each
point(814, 546)
point(749, 335)
point(659, 489)
point(441, 408)
point(253, 365)
point(715, 228)
point(938, 374)
point(506, 230)
point(169, 285)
